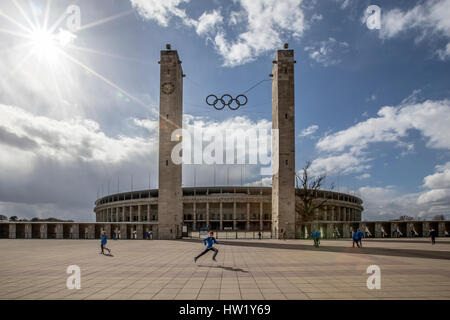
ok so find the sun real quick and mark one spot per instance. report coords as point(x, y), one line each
point(45, 45)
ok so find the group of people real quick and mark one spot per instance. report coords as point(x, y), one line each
point(209, 242)
point(356, 236)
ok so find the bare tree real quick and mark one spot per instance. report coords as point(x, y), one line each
point(307, 189)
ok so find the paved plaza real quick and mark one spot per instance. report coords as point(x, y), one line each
point(245, 269)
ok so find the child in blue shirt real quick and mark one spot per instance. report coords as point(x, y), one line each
point(209, 242)
point(316, 237)
point(103, 243)
point(357, 238)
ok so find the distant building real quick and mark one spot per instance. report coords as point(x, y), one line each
point(2, 217)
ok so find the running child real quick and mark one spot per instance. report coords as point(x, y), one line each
point(103, 243)
point(209, 242)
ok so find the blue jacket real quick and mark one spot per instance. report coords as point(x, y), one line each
point(358, 235)
point(209, 242)
point(315, 234)
point(104, 239)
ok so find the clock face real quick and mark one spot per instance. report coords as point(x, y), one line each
point(168, 88)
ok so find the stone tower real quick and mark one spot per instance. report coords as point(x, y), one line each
point(170, 204)
point(283, 144)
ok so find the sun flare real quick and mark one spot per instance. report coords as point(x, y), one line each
point(45, 45)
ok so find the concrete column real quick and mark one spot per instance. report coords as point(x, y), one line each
point(324, 215)
point(139, 213)
point(131, 213)
point(170, 197)
point(123, 214)
point(59, 231)
point(378, 233)
point(43, 231)
point(329, 231)
point(148, 212)
point(194, 209)
point(441, 229)
point(75, 231)
point(123, 231)
point(139, 232)
point(333, 214)
point(107, 229)
point(221, 215)
point(426, 229)
point(346, 231)
point(393, 227)
point(248, 216)
point(234, 215)
point(12, 230)
point(283, 144)
point(261, 224)
point(27, 229)
point(207, 215)
point(91, 231)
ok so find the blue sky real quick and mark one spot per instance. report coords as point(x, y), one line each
point(372, 106)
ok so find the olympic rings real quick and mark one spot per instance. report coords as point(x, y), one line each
point(226, 100)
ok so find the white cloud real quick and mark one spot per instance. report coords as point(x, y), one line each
point(444, 54)
point(439, 185)
point(267, 22)
point(344, 163)
point(363, 176)
point(161, 11)
point(431, 118)
point(264, 24)
point(327, 52)
point(383, 203)
point(64, 140)
point(208, 21)
point(309, 131)
point(430, 18)
point(347, 151)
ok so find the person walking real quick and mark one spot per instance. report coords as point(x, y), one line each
point(357, 236)
point(209, 242)
point(259, 235)
point(103, 243)
point(360, 235)
point(433, 236)
point(316, 237)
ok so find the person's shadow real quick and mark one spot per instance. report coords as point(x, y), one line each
point(228, 268)
point(108, 254)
